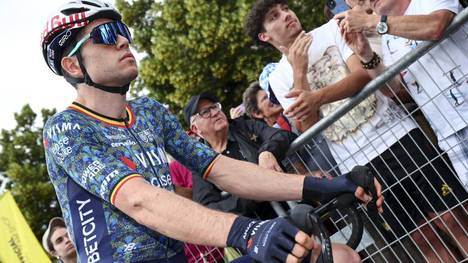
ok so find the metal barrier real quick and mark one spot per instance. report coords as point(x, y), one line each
point(376, 246)
point(440, 237)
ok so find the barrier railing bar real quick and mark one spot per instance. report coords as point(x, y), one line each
point(378, 82)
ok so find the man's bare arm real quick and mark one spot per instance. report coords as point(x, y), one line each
point(179, 218)
point(308, 102)
point(420, 27)
point(417, 27)
point(358, 42)
point(348, 86)
point(172, 215)
point(251, 181)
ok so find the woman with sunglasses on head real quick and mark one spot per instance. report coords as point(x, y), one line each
point(106, 159)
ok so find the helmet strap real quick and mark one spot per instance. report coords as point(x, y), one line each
point(88, 81)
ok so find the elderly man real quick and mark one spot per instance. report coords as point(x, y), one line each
point(241, 139)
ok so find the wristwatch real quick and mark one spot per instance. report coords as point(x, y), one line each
point(382, 27)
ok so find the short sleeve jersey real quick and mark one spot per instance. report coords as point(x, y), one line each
point(438, 80)
point(89, 157)
point(365, 131)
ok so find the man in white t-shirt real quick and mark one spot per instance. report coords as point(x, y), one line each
point(438, 81)
point(317, 73)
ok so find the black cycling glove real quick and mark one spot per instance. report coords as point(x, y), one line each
point(266, 241)
point(324, 189)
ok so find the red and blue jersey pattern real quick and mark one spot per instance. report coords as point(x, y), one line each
point(89, 157)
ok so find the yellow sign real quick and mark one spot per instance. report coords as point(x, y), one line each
point(17, 241)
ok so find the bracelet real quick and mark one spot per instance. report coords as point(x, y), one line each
point(372, 63)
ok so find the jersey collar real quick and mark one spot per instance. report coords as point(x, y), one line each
point(105, 119)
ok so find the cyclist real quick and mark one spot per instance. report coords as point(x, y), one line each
point(106, 158)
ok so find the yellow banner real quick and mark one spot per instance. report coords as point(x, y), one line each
point(17, 241)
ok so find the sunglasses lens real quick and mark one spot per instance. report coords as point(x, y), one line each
point(107, 34)
point(123, 31)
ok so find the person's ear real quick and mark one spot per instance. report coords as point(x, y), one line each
point(263, 36)
point(195, 130)
point(257, 115)
point(71, 65)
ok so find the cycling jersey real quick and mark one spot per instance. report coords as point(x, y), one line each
point(90, 156)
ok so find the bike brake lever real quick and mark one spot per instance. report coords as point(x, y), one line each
point(300, 217)
point(341, 201)
point(304, 218)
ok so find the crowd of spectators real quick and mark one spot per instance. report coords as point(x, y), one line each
point(420, 156)
point(319, 71)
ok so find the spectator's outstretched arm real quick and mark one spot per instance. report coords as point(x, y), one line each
point(417, 27)
point(308, 102)
point(360, 45)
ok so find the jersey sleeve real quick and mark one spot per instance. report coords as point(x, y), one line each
point(192, 154)
point(72, 148)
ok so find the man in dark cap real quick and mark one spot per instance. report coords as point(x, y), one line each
point(242, 139)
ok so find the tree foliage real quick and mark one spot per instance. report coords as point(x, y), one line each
point(22, 159)
point(199, 45)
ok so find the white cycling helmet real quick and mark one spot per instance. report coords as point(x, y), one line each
point(63, 25)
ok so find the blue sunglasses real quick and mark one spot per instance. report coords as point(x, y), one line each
point(105, 34)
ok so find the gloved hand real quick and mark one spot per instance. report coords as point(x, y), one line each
point(324, 189)
point(363, 177)
point(269, 241)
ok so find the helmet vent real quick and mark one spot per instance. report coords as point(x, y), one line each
point(72, 11)
point(90, 3)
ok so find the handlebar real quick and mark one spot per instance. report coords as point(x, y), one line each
point(310, 219)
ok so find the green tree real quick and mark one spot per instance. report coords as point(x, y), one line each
point(199, 45)
point(22, 159)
